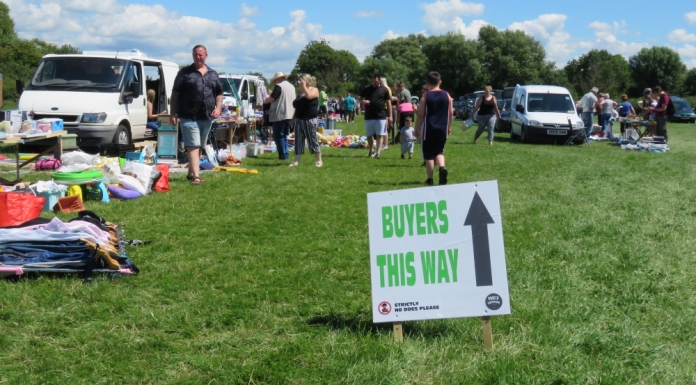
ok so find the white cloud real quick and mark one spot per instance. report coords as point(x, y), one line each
point(390, 35)
point(681, 36)
point(691, 64)
point(690, 17)
point(235, 46)
point(687, 50)
point(368, 14)
point(249, 11)
point(549, 29)
point(605, 38)
point(444, 16)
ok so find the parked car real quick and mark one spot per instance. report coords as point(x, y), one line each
point(682, 111)
point(459, 107)
point(503, 124)
point(543, 112)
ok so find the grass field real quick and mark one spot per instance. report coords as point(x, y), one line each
point(265, 279)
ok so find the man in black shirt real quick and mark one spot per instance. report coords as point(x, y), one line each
point(378, 113)
point(196, 101)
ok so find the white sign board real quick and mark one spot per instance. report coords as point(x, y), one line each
point(437, 252)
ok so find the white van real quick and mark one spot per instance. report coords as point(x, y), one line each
point(543, 112)
point(101, 96)
point(248, 88)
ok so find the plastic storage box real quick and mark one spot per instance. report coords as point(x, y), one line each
point(51, 199)
point(69, 141)
point(331, 132)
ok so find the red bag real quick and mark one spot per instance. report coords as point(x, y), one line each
point(162, 184)
point(17, 208)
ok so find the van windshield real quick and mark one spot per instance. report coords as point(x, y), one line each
point(227, 88)
point(78, 74)
point(550, 103)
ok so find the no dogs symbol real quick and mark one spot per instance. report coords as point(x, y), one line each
point(384, 308)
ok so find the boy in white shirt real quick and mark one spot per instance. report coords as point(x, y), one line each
point(407, 138)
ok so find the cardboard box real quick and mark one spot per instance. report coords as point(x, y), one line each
point(165, 120)
point(15, 117)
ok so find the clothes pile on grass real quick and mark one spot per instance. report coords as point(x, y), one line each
point(655, 144)
point(86, 244)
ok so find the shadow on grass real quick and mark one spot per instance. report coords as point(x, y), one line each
point(362, 324)
point(403, 183)
point(401, 165)
point(354, 323)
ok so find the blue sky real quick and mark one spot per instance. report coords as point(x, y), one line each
point(268, 36)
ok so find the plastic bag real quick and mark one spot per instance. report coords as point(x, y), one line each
point(467, 124)
point(110, 167)
point(75, 157)
point(162, 184)
point(16, 208)
point(145, 174)
point(131, 183)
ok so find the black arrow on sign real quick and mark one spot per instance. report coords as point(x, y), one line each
point(479, 218)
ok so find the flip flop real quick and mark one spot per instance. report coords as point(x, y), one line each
point(196, 181)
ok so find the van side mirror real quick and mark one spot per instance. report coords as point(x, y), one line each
point(19, 86)
point(519, 108)
point(134, 89)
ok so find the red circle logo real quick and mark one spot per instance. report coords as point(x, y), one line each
point(384, 308)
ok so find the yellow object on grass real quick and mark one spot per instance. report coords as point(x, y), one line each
point(75, 189)
point(237, 169)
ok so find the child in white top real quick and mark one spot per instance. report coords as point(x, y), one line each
point(407, 138)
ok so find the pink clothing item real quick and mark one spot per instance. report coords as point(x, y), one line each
point(406, 107)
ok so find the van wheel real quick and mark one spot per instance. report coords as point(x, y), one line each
point(121, 136)
point(523, 137)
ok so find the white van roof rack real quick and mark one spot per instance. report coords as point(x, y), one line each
point(131, 54)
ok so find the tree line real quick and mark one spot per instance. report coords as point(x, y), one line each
point(19, 57)
point(496, 58)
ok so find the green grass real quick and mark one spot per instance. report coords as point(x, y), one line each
point(265, 279)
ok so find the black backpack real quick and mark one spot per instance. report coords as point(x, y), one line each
point(670, 108)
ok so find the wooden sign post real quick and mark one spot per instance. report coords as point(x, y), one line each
point(487, 333)
point(398, 332)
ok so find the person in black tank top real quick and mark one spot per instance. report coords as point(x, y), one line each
point(433, 125)
point(305, 119)
point(488, 113)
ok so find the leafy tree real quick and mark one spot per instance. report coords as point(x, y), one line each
point(7, 32)
point(511, 57)
point(387, 67)
point(690, 83)
point(457, 61)
point(19, 57)
point(657, 66)
point(408, 53)
point(337, 70)
point(610, 73)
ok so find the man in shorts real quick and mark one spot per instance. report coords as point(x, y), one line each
point(196, 101)
point(375, 97)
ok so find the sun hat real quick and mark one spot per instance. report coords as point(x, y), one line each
point(647, 90)
point(278, 75)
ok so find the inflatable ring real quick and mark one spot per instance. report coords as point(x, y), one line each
point(78, 177)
